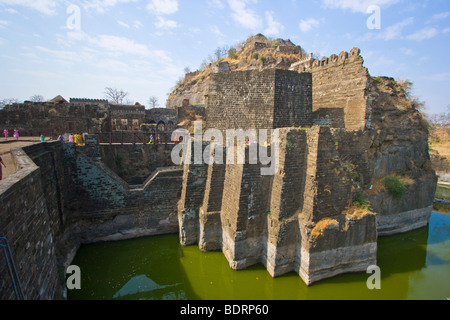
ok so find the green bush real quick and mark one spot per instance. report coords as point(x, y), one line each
point(263, 59)
point(256, 56)
point(232, 53)
point(395, 186)
point(362, 201)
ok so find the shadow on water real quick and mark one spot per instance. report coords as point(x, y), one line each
point(145, 268)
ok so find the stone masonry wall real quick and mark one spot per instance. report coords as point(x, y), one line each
point(265, 99)
point(341, 82)
point(32, 218)
point(62, 196)
point(270, 219)
point(108, 208)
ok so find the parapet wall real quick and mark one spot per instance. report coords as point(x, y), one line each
point(32, 219)
point(339, 86)
point(62, 196)
point(341, 82)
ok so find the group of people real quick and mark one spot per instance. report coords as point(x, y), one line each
point(152, 140)
point(78, 139)
point(15, 135)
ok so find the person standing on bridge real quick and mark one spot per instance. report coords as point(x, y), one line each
point(1, 163)
point(16, 134)
point(5, 132)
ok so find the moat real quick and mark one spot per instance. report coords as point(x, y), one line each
point(414, 265)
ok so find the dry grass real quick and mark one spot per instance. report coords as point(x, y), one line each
point(442, 149)
point(378, 184)
point(357, 210)
point(322, 225)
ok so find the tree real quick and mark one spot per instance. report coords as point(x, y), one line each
point(153, 102)
point(221, 52)
point(6, 102)
point(218, 53)
point(37, 98)
point(441, 120)
point(204, 65)
point(115, 96)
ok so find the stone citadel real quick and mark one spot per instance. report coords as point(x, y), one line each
point(342, 134)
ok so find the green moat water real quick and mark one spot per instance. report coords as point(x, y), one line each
point(414, 265)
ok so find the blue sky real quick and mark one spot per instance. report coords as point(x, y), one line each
point(77, 48)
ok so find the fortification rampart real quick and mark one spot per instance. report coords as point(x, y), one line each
point(339, 85)
point(33, 219)
point(265, 99)
point(62, 196)
point(272, 219)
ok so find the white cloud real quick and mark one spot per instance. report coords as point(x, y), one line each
point(44, 6)
point(215, 4)
point(407, 51)
point(440, 16)
point(119, 45)
point(446, 30)
point(123, 24)
point(76, 35)
point(395, 31)
point(424, 34)
point(308, 24)
point(10, 10)
point(163, 6)
point(439, 76)
point(357, 5)
point(3, 23)
point(102, 6)
point(243, 15)
point(217, 31)
point(273, 27)
point(162, 23)
point(137, 24)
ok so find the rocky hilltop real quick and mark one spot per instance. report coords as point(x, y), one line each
point(257, 53)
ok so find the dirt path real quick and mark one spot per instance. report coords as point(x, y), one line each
point(6, 154)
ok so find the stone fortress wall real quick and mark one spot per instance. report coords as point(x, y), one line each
point(63, 196)
point(299, 219)
point(304, 218)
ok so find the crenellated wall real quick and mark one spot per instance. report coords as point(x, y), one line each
point(339, 85)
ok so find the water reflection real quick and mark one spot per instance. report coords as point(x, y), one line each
point(414, 265)
point(143, 284)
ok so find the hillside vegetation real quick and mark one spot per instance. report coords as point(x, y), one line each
point(257, 52)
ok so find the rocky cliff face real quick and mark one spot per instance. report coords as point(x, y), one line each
point(398, 149)
point(393, 149)
point(258, 53)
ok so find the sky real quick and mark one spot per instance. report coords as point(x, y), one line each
point(78, 48)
